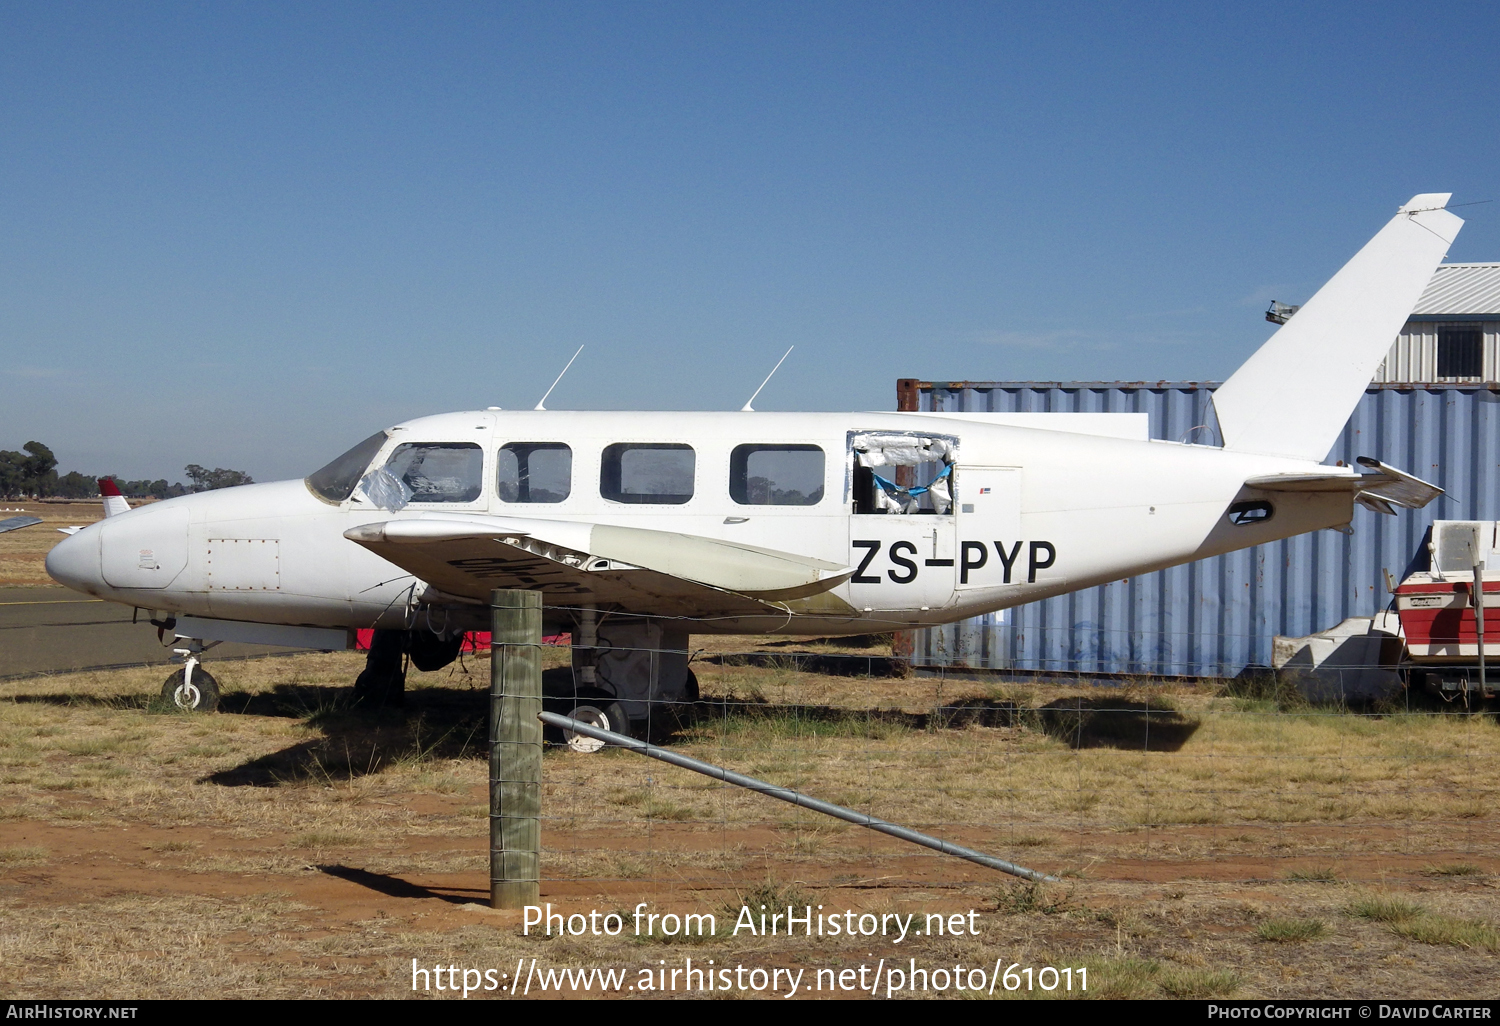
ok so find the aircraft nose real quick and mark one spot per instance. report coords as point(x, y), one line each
point(74, 562)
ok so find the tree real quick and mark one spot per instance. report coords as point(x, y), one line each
point(158, 489)
point(10, 473)
point(29, 472)
point(74, 485)
point(205, 480)
point(32, 472)
point(39, 463)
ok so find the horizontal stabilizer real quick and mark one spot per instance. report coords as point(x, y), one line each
point(1294, 395)
point(1399, 488)
point(1380, 491)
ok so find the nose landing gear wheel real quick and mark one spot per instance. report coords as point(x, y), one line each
point(201, 694)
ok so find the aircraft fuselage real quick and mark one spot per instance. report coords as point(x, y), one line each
point(1020, 513)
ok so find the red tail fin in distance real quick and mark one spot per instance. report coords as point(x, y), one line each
point(114, 502)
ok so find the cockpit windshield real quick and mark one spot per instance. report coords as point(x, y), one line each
point(335, 482)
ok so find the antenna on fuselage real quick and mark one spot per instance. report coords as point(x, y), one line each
point(545, 394)
point(747, 407)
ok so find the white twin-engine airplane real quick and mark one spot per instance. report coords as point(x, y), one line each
point(641, 528)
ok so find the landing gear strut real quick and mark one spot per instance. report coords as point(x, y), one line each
point(628, 676)
point(383, 680)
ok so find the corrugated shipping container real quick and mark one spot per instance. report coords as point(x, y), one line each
point(1214, 617)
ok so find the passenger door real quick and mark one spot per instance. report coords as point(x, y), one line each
point(902, 562)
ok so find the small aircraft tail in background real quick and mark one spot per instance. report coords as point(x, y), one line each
point(1296, 392)
point(114, 503)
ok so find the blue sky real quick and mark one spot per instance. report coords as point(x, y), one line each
point(247, 235)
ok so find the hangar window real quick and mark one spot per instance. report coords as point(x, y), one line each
point(336, 481)
point(901, 473)
point(1460, 352)
point(654, 472)
point(776, 475)
point(438, 471)
point(534, 472)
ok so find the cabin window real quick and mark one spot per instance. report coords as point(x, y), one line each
point(1243, 514)
point(898, 473)
point(1460, 351)
point(647, 472)
point(336, 481)
point(438, 471)
point(534, 472)
point(776, 475)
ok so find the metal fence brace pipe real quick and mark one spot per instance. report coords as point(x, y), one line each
point(793, 797)
point(515, 748)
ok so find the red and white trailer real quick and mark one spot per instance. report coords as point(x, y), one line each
point(1450, 614)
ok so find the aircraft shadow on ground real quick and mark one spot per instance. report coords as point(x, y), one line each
point(1102, 722)
point(136, 701)
point(450, 723)
point(1113, 722)
point(434, 724)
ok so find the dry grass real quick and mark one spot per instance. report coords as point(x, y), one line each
point(290, 846)
point(23, 553)
point(1386, 909)
point(22, 855)
point(1291, 931)
point(1419, 923)
point(1323, 874)
point(1459, 933)
point(1141, 978)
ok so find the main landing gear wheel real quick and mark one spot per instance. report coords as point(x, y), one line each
point(600, 711)
point(200, 694)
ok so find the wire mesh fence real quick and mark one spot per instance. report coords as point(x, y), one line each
point(1069, 774)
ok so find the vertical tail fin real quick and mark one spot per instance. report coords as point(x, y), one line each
point(114, 502)
point(1296, 392)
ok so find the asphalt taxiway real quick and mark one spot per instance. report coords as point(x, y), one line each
point(54, 630)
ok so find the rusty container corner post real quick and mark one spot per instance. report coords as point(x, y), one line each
point(908, 400)
point(515, 748)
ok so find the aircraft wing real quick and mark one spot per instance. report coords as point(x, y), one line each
point(1380, 491)
point(663, 573)
point(16, 523)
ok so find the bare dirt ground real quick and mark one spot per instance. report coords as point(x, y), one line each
point(1208, 844)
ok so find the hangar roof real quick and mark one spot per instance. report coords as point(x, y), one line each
point(1461, 290)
